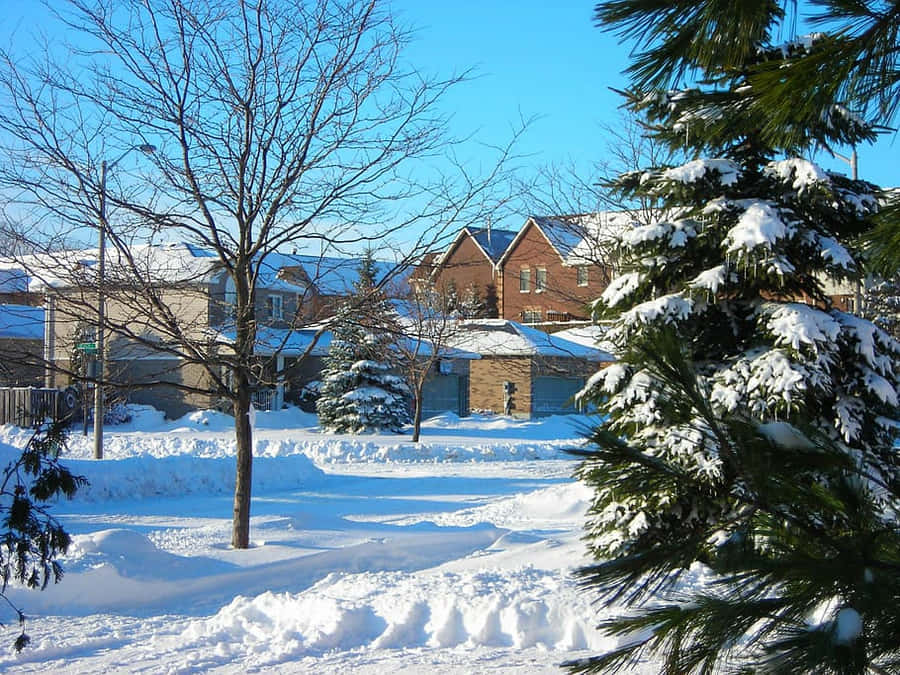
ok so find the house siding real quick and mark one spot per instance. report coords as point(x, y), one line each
point(20, 363)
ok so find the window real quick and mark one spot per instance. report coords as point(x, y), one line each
point(230, 298)
point(531, 316)
point(540, 280)
point(581, 275)
point(275, 307)
point(524, 280)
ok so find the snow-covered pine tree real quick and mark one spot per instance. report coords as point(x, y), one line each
point(750, 428)
point(359, 392)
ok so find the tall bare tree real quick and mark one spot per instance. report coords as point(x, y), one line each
point(273, 123)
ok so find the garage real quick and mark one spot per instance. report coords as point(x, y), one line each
point(445, 393)
point(554, 395)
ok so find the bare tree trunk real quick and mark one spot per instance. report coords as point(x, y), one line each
point(245, 337)
point(417, 414)
point(240, 530)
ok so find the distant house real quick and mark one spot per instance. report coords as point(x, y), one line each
point(546, 273)
point(524, 371)
point(291, 291)
point(21, 346)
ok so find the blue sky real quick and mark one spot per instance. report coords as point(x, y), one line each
point(531, 59)
point(550, 60)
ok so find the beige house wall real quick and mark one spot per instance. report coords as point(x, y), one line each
point(486, 379)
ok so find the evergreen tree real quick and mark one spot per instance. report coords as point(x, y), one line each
point(848, 64)
point(31, 538)
point(749, 426)
point(359, 392)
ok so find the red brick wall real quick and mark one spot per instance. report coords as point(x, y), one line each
point(562, 296)
point(466, 265)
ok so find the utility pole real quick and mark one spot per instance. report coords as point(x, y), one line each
point(101, 299)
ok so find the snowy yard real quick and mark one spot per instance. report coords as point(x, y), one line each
point(370, 554)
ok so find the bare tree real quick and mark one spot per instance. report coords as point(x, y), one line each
point(273, 124)
point(425, 333)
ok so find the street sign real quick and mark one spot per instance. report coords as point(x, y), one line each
point(86, 346)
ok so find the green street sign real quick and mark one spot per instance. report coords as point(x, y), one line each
point(86, 346)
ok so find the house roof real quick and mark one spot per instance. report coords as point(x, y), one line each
point(182, 262)
point(21, 322)
point(282, 341)
point(578, 239)
point(591, 335)
point(294, 342)
point(335, 276)
point(501, 337)
point(491, 241)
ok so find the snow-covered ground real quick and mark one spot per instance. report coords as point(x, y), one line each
point(370, 554)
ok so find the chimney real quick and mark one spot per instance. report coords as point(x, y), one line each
point(490, 245)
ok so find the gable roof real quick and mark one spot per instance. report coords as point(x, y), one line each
point(492, 242)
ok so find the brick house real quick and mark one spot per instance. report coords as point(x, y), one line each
point(546, 273)
point(556, 266)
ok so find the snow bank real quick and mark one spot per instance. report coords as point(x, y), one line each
point(149, 476)
point(396, 610)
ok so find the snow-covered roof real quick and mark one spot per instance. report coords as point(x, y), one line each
point(284, 341)
point(332, 275)
point(591, 335)
point(580, 239)
point(21, 322)
point(176, 262)
point(182, 262)
point(294, 342)
point(501, 337)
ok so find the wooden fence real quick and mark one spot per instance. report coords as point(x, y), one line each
point(26, 406)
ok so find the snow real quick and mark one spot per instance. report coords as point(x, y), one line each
point(21, 322)
point(621, 287)
point(800, 173)
point(369, 555)
point(848, 626)
point(728, 171)
point(795, 324)
point(759, 225)
point(712, 279)
point(501, 337)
